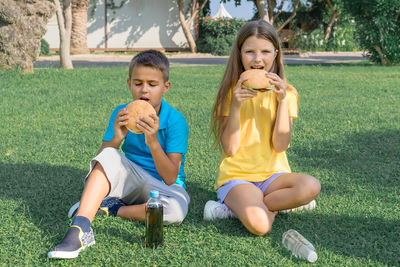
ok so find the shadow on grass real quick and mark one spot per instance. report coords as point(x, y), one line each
point(47, 191)
point(370, 159)
point(371, 238)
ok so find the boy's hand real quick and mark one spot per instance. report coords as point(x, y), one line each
point(120, 131)
point(149, 128)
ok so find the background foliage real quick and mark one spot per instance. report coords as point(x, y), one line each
point(216, 36)
point(378, 27)
point(44, 48)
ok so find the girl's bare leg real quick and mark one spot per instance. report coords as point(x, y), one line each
point(246, 201)
point(291, 190)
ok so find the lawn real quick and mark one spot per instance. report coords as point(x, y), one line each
point(347, 135)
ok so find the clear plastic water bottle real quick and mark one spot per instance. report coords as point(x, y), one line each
point(299, 246)
point(154, 221)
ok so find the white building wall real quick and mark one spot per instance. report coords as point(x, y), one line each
point(139, 24)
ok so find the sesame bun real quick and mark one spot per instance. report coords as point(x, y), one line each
point(136, 109)
point(257, 81)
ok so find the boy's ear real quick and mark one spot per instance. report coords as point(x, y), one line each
point(167, 86)
point(128, 81)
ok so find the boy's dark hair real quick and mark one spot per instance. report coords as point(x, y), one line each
point(151, 58)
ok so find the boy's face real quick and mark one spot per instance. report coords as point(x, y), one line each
point(148, 84)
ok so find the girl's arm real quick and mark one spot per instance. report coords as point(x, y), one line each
point(230, 137)
point(283, 127)
point(283, 123)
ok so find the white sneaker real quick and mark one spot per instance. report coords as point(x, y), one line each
point(214, 210)
point(309, 206)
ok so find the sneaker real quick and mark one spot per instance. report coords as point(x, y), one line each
point(73, 242)
point(214, 210)
point(104, 209)
point(309, 206)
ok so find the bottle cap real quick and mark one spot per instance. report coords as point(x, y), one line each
point(312, 256)
point(154, 193)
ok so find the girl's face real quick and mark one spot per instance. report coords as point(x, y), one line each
point(257, 53)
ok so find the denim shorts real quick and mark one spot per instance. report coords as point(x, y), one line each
point(223, 191)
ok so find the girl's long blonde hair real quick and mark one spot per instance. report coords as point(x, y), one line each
point(260, 29)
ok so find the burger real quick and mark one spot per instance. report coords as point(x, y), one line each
point(137, 109)
point(257, 81)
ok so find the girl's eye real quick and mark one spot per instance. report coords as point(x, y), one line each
point(266, 52)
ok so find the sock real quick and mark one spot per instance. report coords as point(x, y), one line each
point(83, 222)
point(113, 210)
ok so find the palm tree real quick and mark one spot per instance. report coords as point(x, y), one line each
point(79, 30)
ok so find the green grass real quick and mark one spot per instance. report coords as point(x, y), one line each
point(347, 135)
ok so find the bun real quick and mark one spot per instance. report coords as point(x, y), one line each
point(136, 109)
point(257, 81)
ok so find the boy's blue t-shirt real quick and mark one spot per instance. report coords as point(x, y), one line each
point(173, 133)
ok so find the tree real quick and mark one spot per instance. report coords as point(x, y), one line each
point(64, 20)
point(185, 23)
point(334, 16)
point(378, 28)
point(266, 10)
point(22, 26)
point(79, 29)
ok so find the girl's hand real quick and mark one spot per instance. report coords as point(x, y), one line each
point(120, 131)
point(149, 128)
point(280, 85)
point(241, 94)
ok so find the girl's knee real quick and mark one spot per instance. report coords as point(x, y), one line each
point(258, 222)
point(314, 186)
point(310, 186)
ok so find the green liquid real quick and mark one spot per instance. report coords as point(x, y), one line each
point(154, 226)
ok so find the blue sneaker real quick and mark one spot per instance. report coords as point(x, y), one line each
point(73, 242)
point(109, 207)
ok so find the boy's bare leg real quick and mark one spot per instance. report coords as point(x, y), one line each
point(291, 190)
point(96, 189)
point(133, 212)
point(246, 201)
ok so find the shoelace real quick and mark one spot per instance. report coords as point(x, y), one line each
point(223, 211)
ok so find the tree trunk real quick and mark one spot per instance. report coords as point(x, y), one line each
point(330, 24)
point(186, 23)
point(262, 10)
point(79, 28)
point(64, 27)
point(291, 16)
point(382, 56)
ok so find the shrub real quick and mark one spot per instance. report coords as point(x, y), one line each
point(378, 27)
point(44, 48)
point(342, 38)
point(216, 36)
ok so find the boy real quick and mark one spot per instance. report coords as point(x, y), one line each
point(119, 183)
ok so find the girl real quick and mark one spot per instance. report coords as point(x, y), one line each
point(254, 130)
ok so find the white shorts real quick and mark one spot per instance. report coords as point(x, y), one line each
point(132, 185)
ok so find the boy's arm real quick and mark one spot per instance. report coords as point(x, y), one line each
point(119, 129)
point(112, 143)
point(167, 165)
